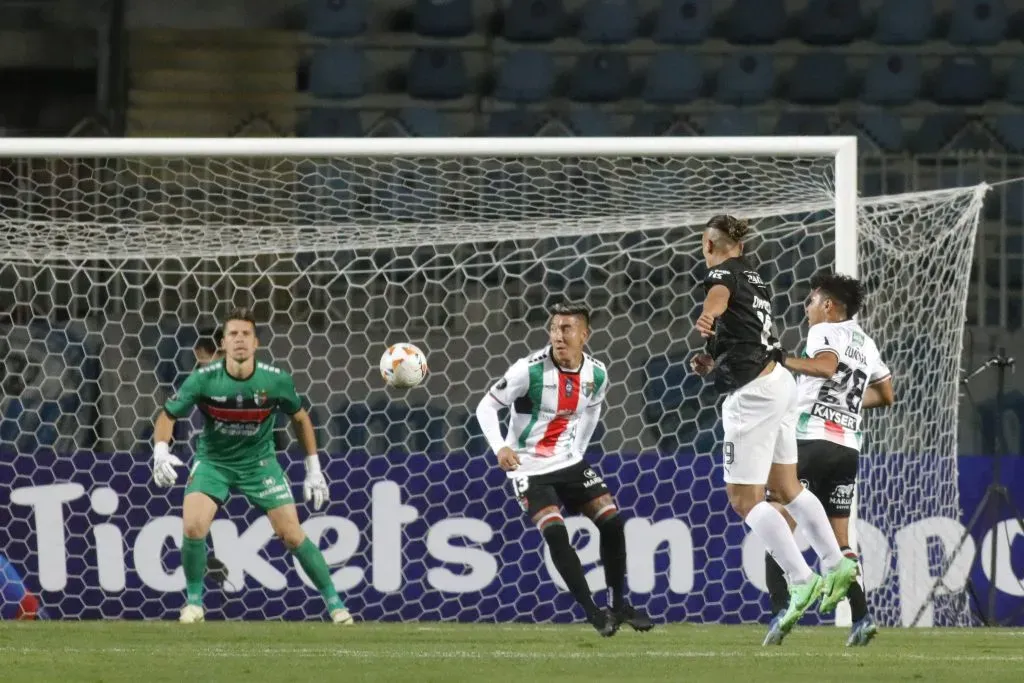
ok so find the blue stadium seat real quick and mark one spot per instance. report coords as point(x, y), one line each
point(443, 18)
point(892, 79)
point(819, 78)
point(746, 79)
point(592, 123)
point(978, 22)
point(756, 22)
point(831, 22)
point(526, 76)
point(731, 123)
point(936, 131)
point(599, 77)
point(673, 78)
point(1010, 129)
point(423, 122)
point(963, 79)
point(336, 18)
point(683, 22)
point(338, 71)
point(802, 123)
point(513, 123)
point(333, 122)
point(1015, 82)
point(609, 21)
point(904, 22)
point(529, 21)
point(437, 74)
point(884, 128)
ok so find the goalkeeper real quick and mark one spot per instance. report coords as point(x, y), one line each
point(235, 452)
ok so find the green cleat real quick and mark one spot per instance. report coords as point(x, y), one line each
point(837, 583)
point(801, 597)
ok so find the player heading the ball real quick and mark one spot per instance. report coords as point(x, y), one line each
point(235, 452)
point(554, 398)
point(759, 420)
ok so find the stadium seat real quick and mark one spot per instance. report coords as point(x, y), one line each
point(443, 18)
point(756, 22)
point(513, 123)
point(526, 76)
point(802, 123)
point(904, 22)
point(683, 22)
point(831, 22)
point(437, 74)
point(731, 123)
point(592, 123)
point(333, 122)
point(673, 78)
point(528, 21)
point(599, 77)
point(338, 71)
point(884, 128)
point(978, 22)
point(655, 123)
point(819, 78)
point(609, 21)
point(336, 18)
point(1010, 130)
point(746, 79)
point(935, 132)
point(423, 122)
point(892, 79)
point(1015, 82)
point(963, 79)
point(874, 183)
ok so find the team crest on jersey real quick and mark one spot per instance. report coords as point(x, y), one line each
point(240, 400)
point(260, 397)
point(857, 339)
point(568, 387)
point(587, 388)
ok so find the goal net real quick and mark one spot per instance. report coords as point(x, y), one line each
point(113, 265)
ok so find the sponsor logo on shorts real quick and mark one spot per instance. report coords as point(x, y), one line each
point(842, 495)
point(592, 478)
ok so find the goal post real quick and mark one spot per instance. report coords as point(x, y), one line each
point(117, 254)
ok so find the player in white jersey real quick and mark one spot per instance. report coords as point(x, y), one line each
point(839, 373)
point(554, 397)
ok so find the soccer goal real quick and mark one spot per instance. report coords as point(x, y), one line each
point(118, 255)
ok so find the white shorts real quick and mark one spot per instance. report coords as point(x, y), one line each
point(759, 420)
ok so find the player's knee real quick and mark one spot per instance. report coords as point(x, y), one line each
point(552, 527)
point(742, 502)
point(195, 528)
point(605, 514)
point(611, 524)
point(292, 536)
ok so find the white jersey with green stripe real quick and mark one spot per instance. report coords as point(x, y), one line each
point(830, 409)
point(546, 403)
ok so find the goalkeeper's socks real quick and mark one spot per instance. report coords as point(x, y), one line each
point(193, 561)
point(810, 516)
point(858, 601)
point(567, 562)
point(613, 557)
point(775, 580)
point(313, 563)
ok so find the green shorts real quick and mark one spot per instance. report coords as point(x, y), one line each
point(264, 485)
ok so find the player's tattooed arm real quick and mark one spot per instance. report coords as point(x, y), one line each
point(715, 303)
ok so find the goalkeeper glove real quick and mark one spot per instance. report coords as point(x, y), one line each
point(778, 355)
point(315, 486)
point(164, 463)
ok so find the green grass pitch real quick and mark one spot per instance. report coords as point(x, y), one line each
point(117, 651)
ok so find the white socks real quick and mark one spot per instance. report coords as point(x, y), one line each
point(810, 517)
point(772, 529)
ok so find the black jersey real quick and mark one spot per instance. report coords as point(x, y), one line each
point(745, 333)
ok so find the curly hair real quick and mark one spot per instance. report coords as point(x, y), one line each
point(735, 229)
point(843, 289)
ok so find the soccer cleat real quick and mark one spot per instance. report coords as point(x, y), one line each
point(862, 632)
point(604, 622)
point(837, 583)
point(637, 618)
point(191, 614)
point(776, 633)
point(342, 616)
point(801, 597)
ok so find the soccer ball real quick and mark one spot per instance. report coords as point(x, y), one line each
point(403, 366)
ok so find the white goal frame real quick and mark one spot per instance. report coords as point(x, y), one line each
point(842, 149)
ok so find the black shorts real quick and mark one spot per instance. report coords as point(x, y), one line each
point(573, 487)
point(829, 471)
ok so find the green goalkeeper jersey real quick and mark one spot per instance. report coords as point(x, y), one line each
point(239, 413)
